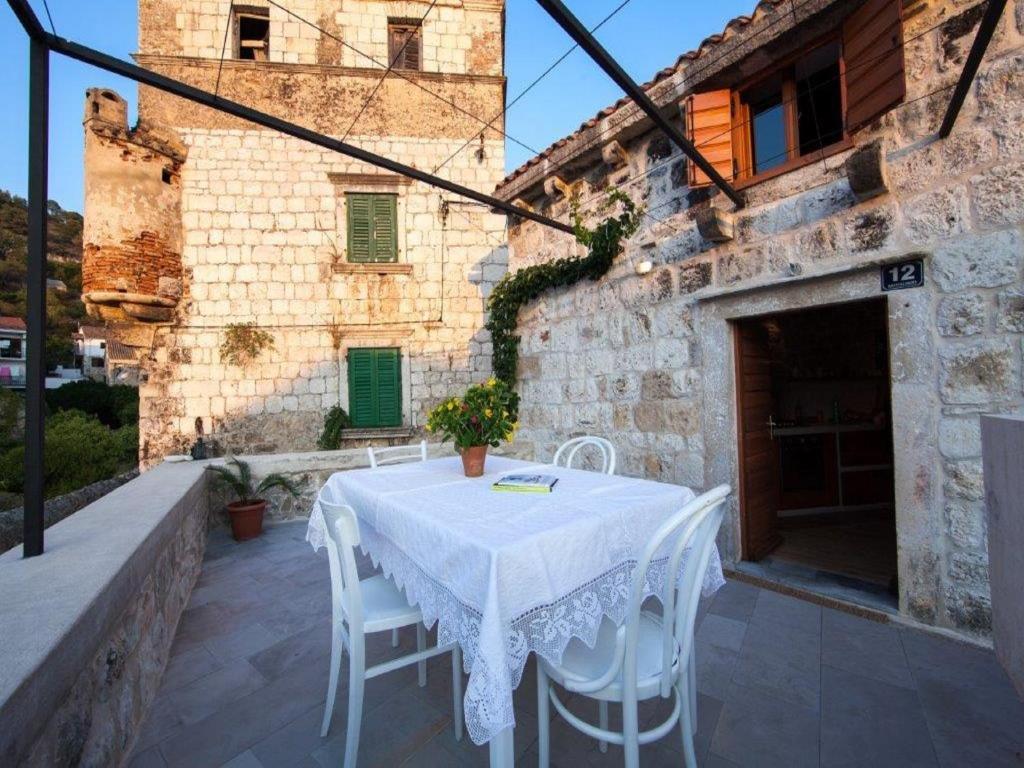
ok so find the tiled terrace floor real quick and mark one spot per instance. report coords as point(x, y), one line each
point(782, 682)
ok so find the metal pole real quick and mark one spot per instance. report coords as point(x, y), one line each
point(986, 29)
point(596, 51)
point(147, 77)
point(35, 380)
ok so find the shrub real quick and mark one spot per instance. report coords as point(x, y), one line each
point(115, 406)
point(244, 342)
point(128, 440)
point(337, 420)
point(12, 416)
point(79, 450)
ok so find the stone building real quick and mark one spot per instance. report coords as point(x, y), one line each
point(757, 347)
point(371, 287)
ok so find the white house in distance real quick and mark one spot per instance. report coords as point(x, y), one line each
point(91, 351)
point(12, 352)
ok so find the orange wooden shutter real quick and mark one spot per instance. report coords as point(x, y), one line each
point(873, 57)
point(709, 126)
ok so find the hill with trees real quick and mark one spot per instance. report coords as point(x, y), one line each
point(64, 309)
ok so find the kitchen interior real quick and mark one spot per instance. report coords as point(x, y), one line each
point(818, 471)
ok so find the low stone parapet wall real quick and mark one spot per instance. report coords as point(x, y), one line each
point(86, 628)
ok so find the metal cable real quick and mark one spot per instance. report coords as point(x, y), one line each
point(224, 46)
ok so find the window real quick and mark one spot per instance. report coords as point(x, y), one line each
point(97, 362)
point(807, 106)
point(252, 33)
point(372, 227)
point(375, 387)
point(11, 349)
point(404, 43)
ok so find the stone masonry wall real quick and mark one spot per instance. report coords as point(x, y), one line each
point(265, 238)
point(648, 360)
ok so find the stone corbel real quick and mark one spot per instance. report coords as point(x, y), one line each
point(867, 172)
point(520, 203)
point(614, 155)
point(715, 225)
point(555, 186)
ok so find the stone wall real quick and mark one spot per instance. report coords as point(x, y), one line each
point(262, 219)
point(87, 626)
point(56, 509)
point(647, 360)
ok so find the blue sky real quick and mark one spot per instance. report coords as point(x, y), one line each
point(645, 36)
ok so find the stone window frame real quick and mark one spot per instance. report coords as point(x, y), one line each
point(253, 12)
point(370, 183)
point(398, 339)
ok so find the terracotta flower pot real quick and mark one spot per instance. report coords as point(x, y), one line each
point(246, 519)
point(473, 459)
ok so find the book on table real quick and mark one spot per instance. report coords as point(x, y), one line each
point(525, 482)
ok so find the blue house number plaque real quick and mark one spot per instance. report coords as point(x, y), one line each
point(906, 274)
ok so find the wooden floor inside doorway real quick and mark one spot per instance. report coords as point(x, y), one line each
point(863, 549)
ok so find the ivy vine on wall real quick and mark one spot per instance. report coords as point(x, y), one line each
point(604, 243)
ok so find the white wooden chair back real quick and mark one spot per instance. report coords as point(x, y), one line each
point(567, 451)
point(693, 529)
point(343, 535)
point(397, 454)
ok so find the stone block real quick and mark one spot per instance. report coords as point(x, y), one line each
point(961, 315)
point(978, 261)
point(980, 373)
point(1010, 311)
point(965, 522)
point(936, 216)
point(870, 230)
point(964, 480)
point(694, 277)
point(736, 267)
point(715, 225)
point(998, 195)
point(960, 437)
point(680, 417)
point(866, 171)
point(969, 608)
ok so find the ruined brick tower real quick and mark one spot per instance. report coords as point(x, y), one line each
point(372, 287)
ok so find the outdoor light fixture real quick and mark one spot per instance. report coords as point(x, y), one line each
point(643, 267)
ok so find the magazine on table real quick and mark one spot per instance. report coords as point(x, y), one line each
point(525, 482)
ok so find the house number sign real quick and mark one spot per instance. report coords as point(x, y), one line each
point(906, 274)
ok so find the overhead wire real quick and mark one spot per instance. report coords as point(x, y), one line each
point(46, 7)
point(398, 73)
point(391, 65)
point(534, 84)
point(224, 46)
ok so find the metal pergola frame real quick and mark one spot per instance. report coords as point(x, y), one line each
point(41, 43)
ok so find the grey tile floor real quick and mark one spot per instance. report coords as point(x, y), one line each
point(781, 682)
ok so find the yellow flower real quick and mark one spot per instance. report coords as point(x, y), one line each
point(491, 381)
point(488, 412)
point(451, 405)
point(504, 414)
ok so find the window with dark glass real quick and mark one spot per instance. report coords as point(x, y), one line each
point(252, 33)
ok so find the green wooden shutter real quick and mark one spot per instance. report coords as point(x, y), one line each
point(362, 397)
point(389, 388)
point(360, 227)
point(375, 387)
point(385, 238)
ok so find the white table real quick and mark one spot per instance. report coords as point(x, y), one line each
point(507, 574)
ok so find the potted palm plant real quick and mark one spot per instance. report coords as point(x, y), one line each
point(483, 417)
point(246, 511)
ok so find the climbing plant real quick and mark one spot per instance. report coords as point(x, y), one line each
point(244, 342)
point(603, 243)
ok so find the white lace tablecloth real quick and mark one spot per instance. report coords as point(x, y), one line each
point(505, 574)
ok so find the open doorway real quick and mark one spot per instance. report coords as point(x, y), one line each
point(815, 448)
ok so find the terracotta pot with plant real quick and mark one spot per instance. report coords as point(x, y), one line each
point(246, 511)
point(483, 417)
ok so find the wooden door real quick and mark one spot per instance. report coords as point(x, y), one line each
point(758, 465)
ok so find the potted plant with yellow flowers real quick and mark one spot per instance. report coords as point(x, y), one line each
point(483, 417)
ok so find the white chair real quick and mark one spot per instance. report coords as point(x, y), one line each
point(648, 655)
point(363, 607)
point(567, 452)
point(398, 454)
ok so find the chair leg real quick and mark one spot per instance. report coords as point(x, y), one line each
point(603, 722)
point(685, 724)
point(332, 687)
point(421, 645)
point(543, 718)
point(356, 681)
point(692, 688)
point(394, 638)
point(457, 690)
point(631, 733)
